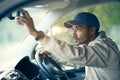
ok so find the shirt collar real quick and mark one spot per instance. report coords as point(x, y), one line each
point(101, 34)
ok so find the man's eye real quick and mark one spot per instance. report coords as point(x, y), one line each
point(72, 29)
point(78, 28)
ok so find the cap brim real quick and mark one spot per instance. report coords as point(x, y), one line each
point(69, 24)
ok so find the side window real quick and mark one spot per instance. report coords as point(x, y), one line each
point(62, 33)
point(11, 36)
point(108, 15)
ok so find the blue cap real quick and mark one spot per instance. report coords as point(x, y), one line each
point(83, 18)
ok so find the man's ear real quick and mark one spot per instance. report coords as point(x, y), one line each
point(93, 30)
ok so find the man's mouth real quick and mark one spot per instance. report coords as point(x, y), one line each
point(76, 40)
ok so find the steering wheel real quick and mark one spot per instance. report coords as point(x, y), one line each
point(50, 68)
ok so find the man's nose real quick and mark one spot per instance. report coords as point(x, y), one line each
point(74, 34)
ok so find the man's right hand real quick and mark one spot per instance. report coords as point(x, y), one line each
point(28, 23)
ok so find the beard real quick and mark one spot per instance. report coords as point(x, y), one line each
point(81, 40)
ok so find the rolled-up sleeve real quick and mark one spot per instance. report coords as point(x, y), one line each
point(94, 55)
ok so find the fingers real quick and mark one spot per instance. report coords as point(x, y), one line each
point(21, 20)
point(26, 18)
point(25, 14)
point(44, 53)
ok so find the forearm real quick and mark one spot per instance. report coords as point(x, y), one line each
point(58, 48)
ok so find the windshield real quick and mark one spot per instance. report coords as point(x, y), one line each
point(13, 35)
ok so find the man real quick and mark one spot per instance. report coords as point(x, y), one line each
point(94, 50)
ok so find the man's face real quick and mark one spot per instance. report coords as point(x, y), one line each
point(81, 34)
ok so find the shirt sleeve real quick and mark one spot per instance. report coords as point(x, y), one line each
point(58, 48)
point(94, 56)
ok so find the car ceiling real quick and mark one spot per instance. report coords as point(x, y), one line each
point(51, 4)
point(46, 4)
